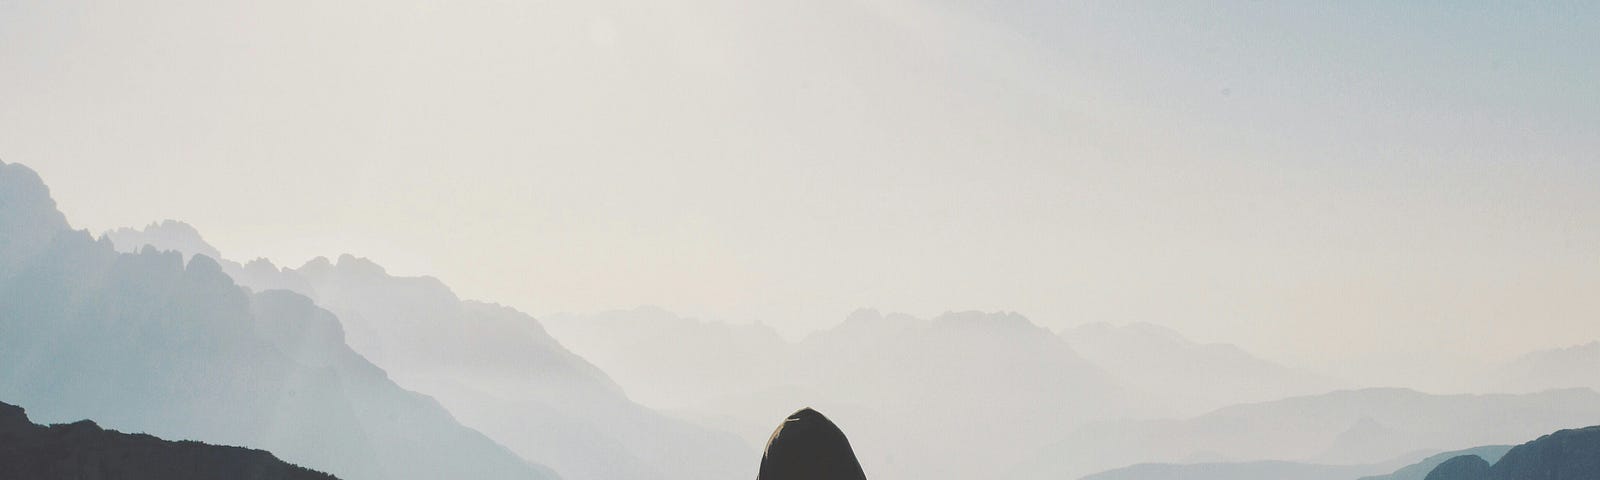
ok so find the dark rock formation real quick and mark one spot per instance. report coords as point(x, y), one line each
point(808, 446)
point(1565, 455)
point(84, 451)
point(1464, 467)
point(1419, 470)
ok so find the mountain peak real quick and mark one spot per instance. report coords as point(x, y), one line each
point(360, 265)
point(164, 235)
point(28, 215)
point(1010, 322)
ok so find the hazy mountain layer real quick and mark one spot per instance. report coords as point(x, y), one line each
point(1277, 470)
point(1419, 470)
point(1346, 427)
point(1263, 470)
point(143, 342)
point(83, 451)
point(1574, 366)
point(495, 368)
point(960, 395)
point(1194, 377)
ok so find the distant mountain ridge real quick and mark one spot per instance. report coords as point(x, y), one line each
point(83, 451)
point(1573, 366)
point(144, 342)
point(1279, 470)
point(493, 367)
point(1205, 376)
point(1259, 470)
point(885, 375)
point(1419, 470)
point(1346, 427)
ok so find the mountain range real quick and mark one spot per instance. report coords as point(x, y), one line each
point(904, 386)
point(1351, 427)
point(1277, 469)
point(148, 342)
point(1197, 377)
point(340, 366)
point(1573, 366)
point(493, 367)
point(973, 371)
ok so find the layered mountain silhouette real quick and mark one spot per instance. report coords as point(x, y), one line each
point(83, 451)
point(1567, 367)
point(1196, 377)
point(1278, 470)
point(144, 342)
point(1420, 470)
point(1262, 470)
point(1564, 455)
point(994, 376)
point(494, 368)
point(1346, 427)
point(653, 352)
point(808, 446)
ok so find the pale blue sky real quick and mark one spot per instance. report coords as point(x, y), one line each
point(1314, 181)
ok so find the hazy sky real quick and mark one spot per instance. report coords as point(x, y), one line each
point(1314, 182)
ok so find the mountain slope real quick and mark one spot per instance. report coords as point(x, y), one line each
point(918, 394)
point(1419, 470)
point(143, 342)
point(652, 351)
point(1350, 427)
point(1568, 367)
point(1200, 377)
point(494, 367)
point(1276, 470)
point(83, 451)
point(1263, 470)
point(1564, 455)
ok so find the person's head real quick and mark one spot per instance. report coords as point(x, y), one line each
point(808, 446)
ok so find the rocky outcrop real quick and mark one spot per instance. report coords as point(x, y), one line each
point(84, 451)
point(1565, 455)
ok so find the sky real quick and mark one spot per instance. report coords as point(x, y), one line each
point(1339, 186)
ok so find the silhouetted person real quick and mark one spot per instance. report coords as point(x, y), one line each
point(807, 446)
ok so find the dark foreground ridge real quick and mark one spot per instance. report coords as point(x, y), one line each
point(84, 451)
point(808, 446)
point(1565, 455)
point(1465, 467)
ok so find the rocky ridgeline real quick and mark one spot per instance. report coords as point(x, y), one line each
point(84, 451)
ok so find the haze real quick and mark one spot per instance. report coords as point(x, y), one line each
point(1332, 186)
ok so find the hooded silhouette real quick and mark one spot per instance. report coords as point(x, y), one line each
point(807, 446)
